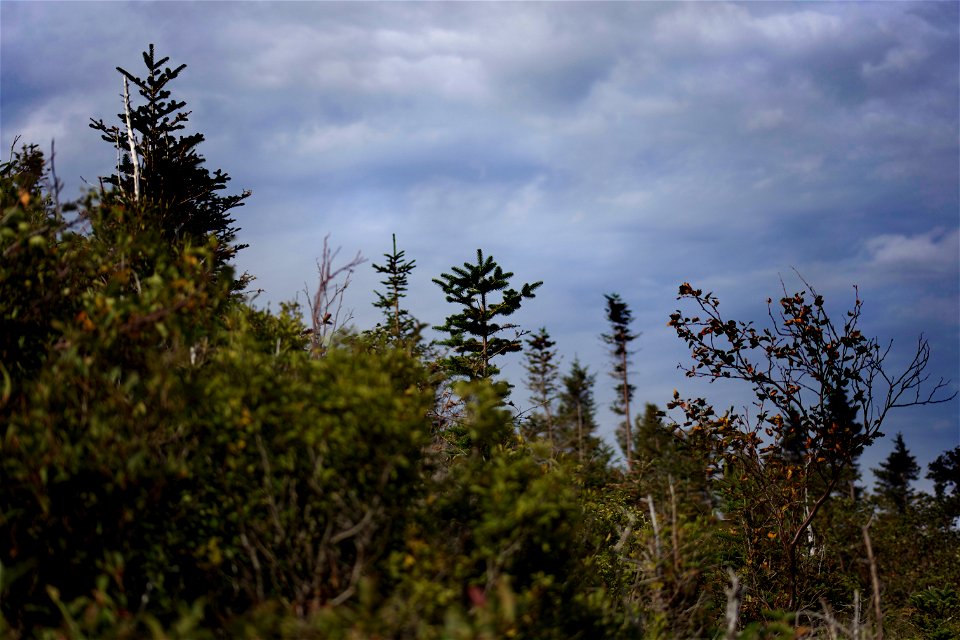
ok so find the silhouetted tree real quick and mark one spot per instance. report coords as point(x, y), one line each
point(895, 474)
point(802, 369)
point(945, 472)
point(163, 171)
point(620, 317)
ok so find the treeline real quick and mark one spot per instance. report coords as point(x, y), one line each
point(177, 463)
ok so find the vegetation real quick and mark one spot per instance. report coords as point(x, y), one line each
point(176, 463)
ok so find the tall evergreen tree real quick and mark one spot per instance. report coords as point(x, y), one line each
point(577, 416)
point(163, 171)
point(895, 474)
point(401, 326)
point(474, 332)
point(542, 373)
point(620, 317)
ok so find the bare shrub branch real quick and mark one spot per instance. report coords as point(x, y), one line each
point(326, 303)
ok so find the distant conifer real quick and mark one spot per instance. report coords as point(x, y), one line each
point(542, 374)
point(398, 322)
point(620, 317)
point(895, 474)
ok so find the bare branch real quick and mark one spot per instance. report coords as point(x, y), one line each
point(326, 303)
point(55, 187)
point(131, 139)
point(734, 595)
point(874, 580)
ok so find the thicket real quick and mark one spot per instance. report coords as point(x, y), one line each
point(177, 463)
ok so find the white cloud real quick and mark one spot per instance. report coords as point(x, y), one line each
point(800, 29)
point(358, 59)
point(766, 120)
point(726, 27)
point(896, 60)
point(632, 199)
point(449, 76)
point(936, 251)
point(426, 41)
point(525, 202)
point(321, 139)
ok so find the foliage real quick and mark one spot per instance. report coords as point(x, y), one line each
point(474, 330)
point(34, 268)
point(936, 613)
point(90, 428)
point(192, 439)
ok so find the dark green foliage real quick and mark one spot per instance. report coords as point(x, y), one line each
point(188, 448)
point(184, 203)
point(506, 541)
point(936, 613)
point(895, 474)
point(474, 332)
point(328, 452)
point(618, 340)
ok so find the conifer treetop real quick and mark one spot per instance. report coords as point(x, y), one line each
point(178, 195)
point(474, 331)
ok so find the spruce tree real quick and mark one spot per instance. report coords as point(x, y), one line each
point(474, 332)
point(542, 374)
point(165, 174)
point(401, 326)
point(895, 474)
point(620, 317)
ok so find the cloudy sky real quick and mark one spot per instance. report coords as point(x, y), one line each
point(598, 147)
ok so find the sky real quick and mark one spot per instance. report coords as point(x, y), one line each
point(599, 147)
